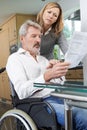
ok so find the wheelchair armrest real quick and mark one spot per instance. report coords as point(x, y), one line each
point(2, 69)
point(16, 101)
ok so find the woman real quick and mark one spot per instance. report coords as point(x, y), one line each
point(50, 18)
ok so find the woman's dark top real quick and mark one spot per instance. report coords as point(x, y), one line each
point(49, 40)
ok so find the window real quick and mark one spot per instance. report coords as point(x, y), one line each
point(71, 24)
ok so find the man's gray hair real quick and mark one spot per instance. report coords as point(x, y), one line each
point(24, 27)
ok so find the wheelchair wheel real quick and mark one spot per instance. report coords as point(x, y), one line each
point(16, 120)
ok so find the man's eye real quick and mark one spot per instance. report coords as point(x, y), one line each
point(33, 36)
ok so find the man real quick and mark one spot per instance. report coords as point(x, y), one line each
point(26, 67)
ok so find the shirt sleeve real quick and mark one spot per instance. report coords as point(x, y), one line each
point(22, 85)
point(62, 42)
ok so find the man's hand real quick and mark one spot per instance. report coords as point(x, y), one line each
point(56, 69)
point(51, 63)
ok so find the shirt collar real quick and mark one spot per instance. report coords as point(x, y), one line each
point(47, 31)
point(22, 51)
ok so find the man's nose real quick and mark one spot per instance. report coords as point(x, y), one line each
point(38, 39)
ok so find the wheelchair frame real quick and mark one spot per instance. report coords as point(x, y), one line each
point(8, 120)
point(27, 120)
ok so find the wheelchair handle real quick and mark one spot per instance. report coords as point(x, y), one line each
point(2, 70)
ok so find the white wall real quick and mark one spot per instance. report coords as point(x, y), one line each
point(83, 8)
point(69, 6)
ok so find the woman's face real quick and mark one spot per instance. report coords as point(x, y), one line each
point(50, 16)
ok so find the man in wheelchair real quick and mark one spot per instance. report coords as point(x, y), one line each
point(26, 67)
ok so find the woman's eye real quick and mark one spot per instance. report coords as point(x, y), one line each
point(49, 12)
point(55, 15)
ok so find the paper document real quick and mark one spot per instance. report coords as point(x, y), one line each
point(77, 48)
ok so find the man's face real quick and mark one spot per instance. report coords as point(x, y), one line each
point(31, 41)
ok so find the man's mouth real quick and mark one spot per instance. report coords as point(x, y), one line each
point(37, 45)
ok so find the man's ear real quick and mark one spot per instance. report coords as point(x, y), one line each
point(21, 38)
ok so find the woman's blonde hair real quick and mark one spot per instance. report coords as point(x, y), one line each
point(57, 27)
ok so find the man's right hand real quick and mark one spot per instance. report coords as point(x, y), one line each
point(56, 70)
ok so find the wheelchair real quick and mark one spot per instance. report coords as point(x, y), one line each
point(29, 114)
